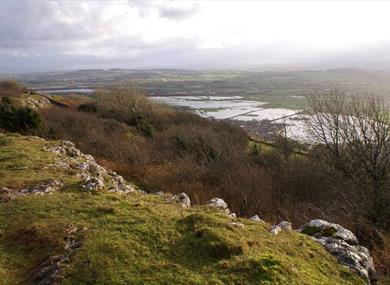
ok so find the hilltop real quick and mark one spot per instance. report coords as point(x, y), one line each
point(66, 219)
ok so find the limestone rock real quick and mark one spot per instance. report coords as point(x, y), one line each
point(237, 225)
point(49, 271)
point(283, 225)
point(319, 228)
point(119, 185)
point(93, 184)
point(42, 188)
point(95, 177)
point(344, 245)
point(256, 218)
point(219, 204)
point(233, 215)
point(275, 230)
point(182, 199)
point(35, 102)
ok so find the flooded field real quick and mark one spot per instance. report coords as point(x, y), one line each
point(64, 91)
point(239, 109)
point(235, 108)
point(271, 114)
point(213, 106)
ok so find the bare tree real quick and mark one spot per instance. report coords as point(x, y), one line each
point(324, 125)
point(123, 101)
point(355, 131)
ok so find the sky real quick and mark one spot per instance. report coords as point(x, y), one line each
point(65, 35)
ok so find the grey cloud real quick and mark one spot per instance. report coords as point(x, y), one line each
point(165, 9)
point(35, 37)
point(30, 23)
point(38, 36)
point(174, 13)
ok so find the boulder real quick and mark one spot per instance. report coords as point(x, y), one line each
point(283, 225)
point(344, 245)
point(256, 218)
point(320, 228)
point(182, 199)
point(275, 230)
point(219, 204)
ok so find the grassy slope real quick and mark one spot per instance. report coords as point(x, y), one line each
point(141, 239)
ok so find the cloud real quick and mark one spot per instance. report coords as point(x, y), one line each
point(32, 22)
point(59, 35)
point(175, 13)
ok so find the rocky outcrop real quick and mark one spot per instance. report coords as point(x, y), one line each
point(219, 204)
point(283, 225)
point(182, 199)
point(320, 228)
point(49, 271)
point(34, 101)
point(94, 176)
point(42, 188)
point(344, 245)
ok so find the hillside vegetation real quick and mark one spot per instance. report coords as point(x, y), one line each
point(160, 149)
point(138, 238)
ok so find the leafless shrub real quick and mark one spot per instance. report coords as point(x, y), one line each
point(10, 88)
point(355, 132)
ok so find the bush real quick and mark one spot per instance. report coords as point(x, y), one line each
point(18, 119)
point(129, 105)
point(11, 88)
point(143, 126)
point(122, 103)
point(87, 107)
point(104, 138)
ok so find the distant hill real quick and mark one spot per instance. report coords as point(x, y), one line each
point(276, 87)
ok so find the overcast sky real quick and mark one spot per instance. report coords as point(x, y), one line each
point(63, 35)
